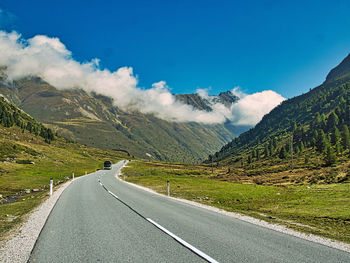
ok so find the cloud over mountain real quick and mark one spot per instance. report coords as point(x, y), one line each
point(250, 109)
point(49, 59)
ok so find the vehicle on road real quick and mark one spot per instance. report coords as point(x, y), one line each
point(107, 165)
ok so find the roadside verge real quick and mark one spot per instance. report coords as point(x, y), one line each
point(276, 227)
point(22, 240)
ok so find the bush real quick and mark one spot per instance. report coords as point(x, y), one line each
point(24, 161)
point(258, 181)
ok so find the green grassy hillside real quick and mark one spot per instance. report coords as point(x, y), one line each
point(315, 124)
point(10, 116)
point(28, 161)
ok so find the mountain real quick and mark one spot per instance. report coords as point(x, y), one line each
point(93, 120)
point(315, 124)
point(31, 155)
point(226, 98)
point(10, 116)
point(340, 70)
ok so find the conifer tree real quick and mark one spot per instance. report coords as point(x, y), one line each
point(332, 121)
point(249, 159)
point(283, 153)
point(338, 148)
point(271, 148)
point(257, 154)
point(322, 142)
point(330, 156)
point(329, 138)
point(335, 136)
point(346, 137)
point(317, 122)
point(274, 143)
point(323, 121)
point(266, 151)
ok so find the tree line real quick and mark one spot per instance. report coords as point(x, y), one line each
point(10, 116)
point(319, 118)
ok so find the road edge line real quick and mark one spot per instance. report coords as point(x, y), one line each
point(24, 232)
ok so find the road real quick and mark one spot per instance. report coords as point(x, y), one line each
point(101, 219)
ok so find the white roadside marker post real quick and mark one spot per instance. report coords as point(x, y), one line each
point(73, 176)
point(51, 186)
point(85, 172)
point(168, 187)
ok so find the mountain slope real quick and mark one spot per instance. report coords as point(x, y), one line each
point(319, 111)
point(340, 70)
point(10, 116)
point(93, 120)
point(28, 159)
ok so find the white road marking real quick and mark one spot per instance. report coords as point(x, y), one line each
point(183, 242)
point(178, 239)
point(113, 194)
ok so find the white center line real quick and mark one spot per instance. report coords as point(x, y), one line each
point(113, 194)
point(178, 239)
point(183, 242)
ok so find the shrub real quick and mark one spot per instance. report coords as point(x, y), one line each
point(24, 161)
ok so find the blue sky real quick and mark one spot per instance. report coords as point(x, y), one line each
point(286, 46)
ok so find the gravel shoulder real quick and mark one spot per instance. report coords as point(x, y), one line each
point(22, 240)
point(280, 228)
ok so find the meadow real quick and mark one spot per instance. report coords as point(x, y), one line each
point(321, 209)
point(27, 163)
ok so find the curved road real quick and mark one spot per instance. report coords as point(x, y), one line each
point(101, 219)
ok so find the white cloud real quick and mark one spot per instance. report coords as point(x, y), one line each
point(237, 92)
point(49, 59)
point(250, 109)
point(203, 93)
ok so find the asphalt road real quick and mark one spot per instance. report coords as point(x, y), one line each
point(101, 219)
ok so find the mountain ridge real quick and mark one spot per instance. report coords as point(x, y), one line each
point(94, 120)
point(299, 114)
point(340, 70)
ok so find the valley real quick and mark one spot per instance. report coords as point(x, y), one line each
point(94, 120)
point(28, 161)
point(174, 131)
point(292, 168)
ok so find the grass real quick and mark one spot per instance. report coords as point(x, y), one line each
point(273, 170)
point(57, 160)
point(13, 214)
point(269, 192)
point(321, 209)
